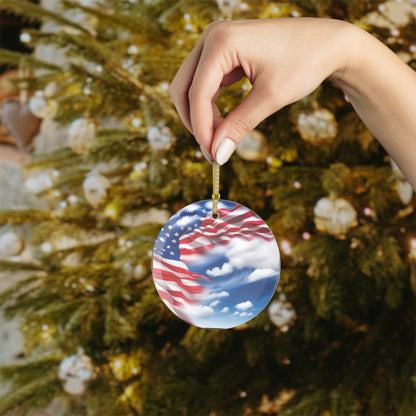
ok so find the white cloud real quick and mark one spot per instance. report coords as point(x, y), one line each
point(223, 294)
point(220, 271)
point(259, 274)
point(215, 303)
point(213, 295)
point(246, 313)
point(208, 204)
point(193, 207)
point(243, 253)
point(253, 253)
point(199, 310)
point(225, 309)
point(185, 221)
point(243, 306)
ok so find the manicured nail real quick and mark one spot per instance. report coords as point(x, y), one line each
point(225, 150)
point(206, 156)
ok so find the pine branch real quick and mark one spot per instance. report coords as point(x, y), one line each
point(309, 404)
point(24, 369)
point(59, 158)
point(24, 216)
point(101, 54)
point(17, 58)
point(36, 12)
point(10, 297)
point(14, 266)
point(35, 384)
point(119, 98)
point(138, 23)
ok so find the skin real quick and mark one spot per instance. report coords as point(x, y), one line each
point(285, 60)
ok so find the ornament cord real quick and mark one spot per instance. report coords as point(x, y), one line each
point(215, 188)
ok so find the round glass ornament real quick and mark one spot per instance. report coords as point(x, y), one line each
point(216, 272)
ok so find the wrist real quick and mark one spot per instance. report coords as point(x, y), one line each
point(349, 55)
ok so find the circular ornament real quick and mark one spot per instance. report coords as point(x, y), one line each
point(318, 127)
point(139, 271)
point(38, 182)
point(159, 137)
point(253, 147)
point(334, 216)
point(11, 244)
point(95, 188)
point(42, 107)
point(281, 312)
point(81, 135)
point(216, 272)
point(228, 7)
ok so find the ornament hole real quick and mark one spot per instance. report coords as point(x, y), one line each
point(215, 216)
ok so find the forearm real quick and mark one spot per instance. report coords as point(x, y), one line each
point(382, 89)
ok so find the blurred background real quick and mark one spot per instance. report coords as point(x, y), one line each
point(94, 160)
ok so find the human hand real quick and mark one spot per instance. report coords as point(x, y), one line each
point(284, 59)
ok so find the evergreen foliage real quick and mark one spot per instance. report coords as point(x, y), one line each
point(351, 350)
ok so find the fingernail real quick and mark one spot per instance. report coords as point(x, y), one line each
point(224, 151)
point(206, 156)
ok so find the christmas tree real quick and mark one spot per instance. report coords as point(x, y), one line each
point(338, 337)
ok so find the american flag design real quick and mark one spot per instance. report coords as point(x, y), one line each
point(216, 273)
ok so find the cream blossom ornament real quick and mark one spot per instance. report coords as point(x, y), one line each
point(228, 7)
point(75, 371)
point(317, 127)
point(281, 313)
point(95, 188)
point(253, 147)
point(81, 135)
point(335, 216)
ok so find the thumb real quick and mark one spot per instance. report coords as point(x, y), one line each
point(244, 118)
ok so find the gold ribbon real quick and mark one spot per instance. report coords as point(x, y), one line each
point(215, 189)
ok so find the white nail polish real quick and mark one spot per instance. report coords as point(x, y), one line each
point(225, 150)
point(206, 156)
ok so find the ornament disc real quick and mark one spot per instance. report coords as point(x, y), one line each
point(216, 272)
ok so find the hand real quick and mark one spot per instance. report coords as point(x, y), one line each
point(284, 59)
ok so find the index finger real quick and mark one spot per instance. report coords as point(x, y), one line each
point(179, 87)
point(203, 92)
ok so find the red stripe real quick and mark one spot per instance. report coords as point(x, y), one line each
point(174, 268)
point(180, 270)
point(248, 232)
point(209, 226)
point(163, 276)
point(197, 250)
point(247, 229)
point(178, 294)
point(168, 298)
